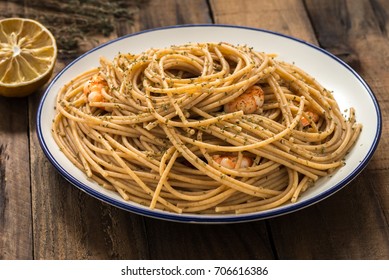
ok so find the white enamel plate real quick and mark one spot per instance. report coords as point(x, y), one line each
point(350, 90)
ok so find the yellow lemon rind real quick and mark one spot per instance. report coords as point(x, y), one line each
point(26, 88)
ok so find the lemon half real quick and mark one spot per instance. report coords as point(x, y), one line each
point(28, 52)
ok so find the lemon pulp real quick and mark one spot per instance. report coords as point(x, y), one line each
point(27, 56)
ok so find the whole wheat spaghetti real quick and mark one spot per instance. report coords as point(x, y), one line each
point(202, 128)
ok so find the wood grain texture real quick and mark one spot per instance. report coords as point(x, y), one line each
point(354, 222)
point(284, 16)
point(69, 224)
point(42, 216)
point(348, 225)
point(168, 240)
point(316, 232)
point(172, 12)
point(367, 37)
point(15, 197)
point(181, 241)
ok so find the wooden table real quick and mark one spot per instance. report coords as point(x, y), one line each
point(42, 216)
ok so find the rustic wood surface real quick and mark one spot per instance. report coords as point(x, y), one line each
point(42, 216)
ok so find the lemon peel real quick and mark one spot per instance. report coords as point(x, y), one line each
point(28, 52)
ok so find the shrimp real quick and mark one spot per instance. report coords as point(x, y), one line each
point(251, 101)
point(230, 161)
point(312, 116)
point(93, 89)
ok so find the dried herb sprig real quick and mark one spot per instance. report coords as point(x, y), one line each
point(74, 22)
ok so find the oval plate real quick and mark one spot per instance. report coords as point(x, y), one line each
point(350, 90)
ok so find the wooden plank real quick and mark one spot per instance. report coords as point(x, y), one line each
point(284, 16)
point(316, 232)
point(15, 197)
point(353, 223)
point(348, 225)
point(363, 32)
point(249, 240)
point(365, 26)
point(173, 12)
point(169, 240)
point(290, 18)
point(65, 218)
point(69, 224)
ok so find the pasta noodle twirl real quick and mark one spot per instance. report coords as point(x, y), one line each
point(202, 128)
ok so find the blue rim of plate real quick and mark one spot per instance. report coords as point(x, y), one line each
point(212, 219)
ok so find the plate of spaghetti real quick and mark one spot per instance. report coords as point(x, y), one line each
point(209, 123)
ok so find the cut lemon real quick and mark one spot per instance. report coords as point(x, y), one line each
point(27, 56)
